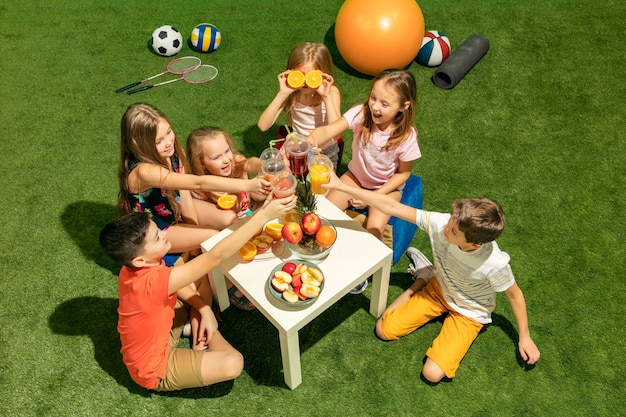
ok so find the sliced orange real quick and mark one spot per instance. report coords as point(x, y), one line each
point(313, 79)
point(247, 251)
point(295, 79)
point(274, 230)
point(226, 201)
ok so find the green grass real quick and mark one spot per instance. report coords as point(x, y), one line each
point(538, 125)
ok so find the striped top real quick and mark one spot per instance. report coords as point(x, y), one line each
point(469, 280)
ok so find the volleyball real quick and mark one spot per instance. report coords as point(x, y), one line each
point(434, 50)
point(205, 38)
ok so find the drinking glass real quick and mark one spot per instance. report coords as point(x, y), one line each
point(297, 149)
point(285, 185)
point(320, 167)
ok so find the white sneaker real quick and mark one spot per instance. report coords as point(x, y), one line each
point(359, 288)
point(420, 266)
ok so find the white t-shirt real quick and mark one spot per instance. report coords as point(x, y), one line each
point(306, 118)
point(469, 280)
point(372, 165)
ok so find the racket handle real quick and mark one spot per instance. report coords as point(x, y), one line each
point(136, 90)
point(126, 87)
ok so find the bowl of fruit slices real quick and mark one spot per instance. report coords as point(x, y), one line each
point(296, 283)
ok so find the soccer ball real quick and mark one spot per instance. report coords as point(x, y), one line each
point(167, 40)
point(434, 50)
point(205, 37)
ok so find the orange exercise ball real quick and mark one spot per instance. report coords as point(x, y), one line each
point(376, 35)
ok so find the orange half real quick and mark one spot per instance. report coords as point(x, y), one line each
point(274, 230)
point(226, 202)
point(295, 79)
point(313, 79)
point(247, 251)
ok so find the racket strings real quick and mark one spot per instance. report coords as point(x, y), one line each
point(202, 74)
point(184, 65)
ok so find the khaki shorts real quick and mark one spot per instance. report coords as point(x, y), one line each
point(457, 332)
point(183, 365)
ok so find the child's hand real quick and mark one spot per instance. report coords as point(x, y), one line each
point(529, 351)
point(327, 81)
point(207, 326)
point(259, 185)
point(356, 203)
point(279, 207)
point(283, 86)
point(334, 182)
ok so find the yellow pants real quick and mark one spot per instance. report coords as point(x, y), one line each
point(457, 333)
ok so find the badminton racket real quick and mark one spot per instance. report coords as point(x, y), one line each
point(202, 74)
point(177, 66)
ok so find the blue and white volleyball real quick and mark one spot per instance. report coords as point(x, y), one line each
point(434, 50)
point(205, 37)
point(167, 40)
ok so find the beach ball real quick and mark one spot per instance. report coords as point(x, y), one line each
point(435, 49)
point(372, 36)
point(167, 40)
point(205, 37)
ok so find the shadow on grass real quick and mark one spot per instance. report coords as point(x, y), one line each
point(338, 61)
point(97, 318)
point(507, 327)
point(83, 221)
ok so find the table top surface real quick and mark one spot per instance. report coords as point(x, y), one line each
point(355, 255)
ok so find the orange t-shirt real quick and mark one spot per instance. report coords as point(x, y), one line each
point(146, 312)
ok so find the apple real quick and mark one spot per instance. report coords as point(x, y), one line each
point(290, 296)
point(311, 223)
point(289, 267)
point(281, 281)
point(309, 291)
point(300, 268)
point(298, 293)
point(292, 232)
point(312, 276)
point(263, 242)
point(296, 279)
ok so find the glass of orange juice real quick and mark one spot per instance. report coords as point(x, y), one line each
point(284, 185)
point(320, 167)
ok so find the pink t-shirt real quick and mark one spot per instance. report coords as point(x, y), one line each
point(146, 312)
point(372, 165)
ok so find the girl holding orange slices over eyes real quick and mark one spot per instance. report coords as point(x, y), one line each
point(308, 95)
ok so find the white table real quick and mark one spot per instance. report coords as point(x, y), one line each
point(355, 256)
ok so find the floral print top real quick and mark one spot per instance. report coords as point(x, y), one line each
point(154, 200)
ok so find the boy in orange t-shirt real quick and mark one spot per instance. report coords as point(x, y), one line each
point(151, 314)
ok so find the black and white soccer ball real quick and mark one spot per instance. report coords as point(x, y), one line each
point(167, 40)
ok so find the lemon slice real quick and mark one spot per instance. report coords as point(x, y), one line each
point(295, 79)
point(313, 79)
point(226, 202)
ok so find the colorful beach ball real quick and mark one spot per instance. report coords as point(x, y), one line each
point(205, 38)
point(434, 50)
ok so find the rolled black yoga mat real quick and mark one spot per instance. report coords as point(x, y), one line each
point(460, 62)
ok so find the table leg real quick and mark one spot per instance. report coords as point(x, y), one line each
point(290, 352)
point(380, 288)
point(219, 283)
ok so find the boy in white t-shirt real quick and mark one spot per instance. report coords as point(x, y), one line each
point(469, 269)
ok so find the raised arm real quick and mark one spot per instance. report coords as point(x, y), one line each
point(323, 134)
point(527, 348)
point(146, 176)
point(271, 112)
point(185, 274)
point(379, 201)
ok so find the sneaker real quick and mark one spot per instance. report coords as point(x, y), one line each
point(420, 266)
point(187, 330)
point(359, 288)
